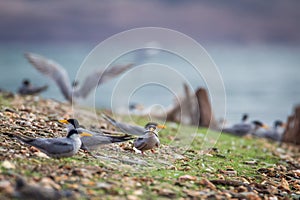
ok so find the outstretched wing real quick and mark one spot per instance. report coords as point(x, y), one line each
point(54, 71)
point(98, 77)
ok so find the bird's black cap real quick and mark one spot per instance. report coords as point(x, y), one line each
point(245, 117)
point(26, 81)
point(74, 122)
point(278, 123)
point(258, 123)
point(72, 132)
point(153, 124)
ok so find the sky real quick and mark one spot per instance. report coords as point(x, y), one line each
point(231, 21)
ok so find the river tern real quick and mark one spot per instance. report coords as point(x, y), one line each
point(275, 133)
point(242, 129)
point(147, 136)
point(54, 147)
point(148, 141)
point(57, 73)
point(95, 139)
point(28, 89)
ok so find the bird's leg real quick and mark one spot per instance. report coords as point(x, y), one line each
point(152, 150)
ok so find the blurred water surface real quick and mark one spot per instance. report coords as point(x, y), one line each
point(260, 80)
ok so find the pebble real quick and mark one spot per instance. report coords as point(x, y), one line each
point(8, 165)
point(6, 187)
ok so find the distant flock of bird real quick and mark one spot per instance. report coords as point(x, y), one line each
point(257, 128)
point(145, 138)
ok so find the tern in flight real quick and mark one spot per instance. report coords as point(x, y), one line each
point(58, 74)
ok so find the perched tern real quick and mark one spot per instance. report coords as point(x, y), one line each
point(54, 147)
point(245, 128)
point(95, 139)
point(28, 89)
point(148, 141)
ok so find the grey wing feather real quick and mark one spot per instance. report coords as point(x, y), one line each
point(36, 90)
point(94, 141)
point(147, 142)
point(109, 119)
point(54, 71)
point(89, 143)
point(238, 129)
point(114, 71)
point(242, 128)
point(24, 90)
point(82, 130)
point(130, 129)
point(98, 77)
point(228, 130)
point(140, 143)
point(271, 134)
point(126, 128)
point(53, 146)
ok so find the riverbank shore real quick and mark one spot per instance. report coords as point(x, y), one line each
point(237, 168)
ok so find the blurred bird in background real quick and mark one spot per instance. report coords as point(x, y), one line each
point(28, 89)
point(58, 74)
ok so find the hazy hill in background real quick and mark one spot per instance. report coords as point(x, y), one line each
point(245, 21)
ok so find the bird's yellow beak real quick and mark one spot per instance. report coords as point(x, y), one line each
point(85, 134)
point(265, 126)
point(64, 121)
point(161, 126)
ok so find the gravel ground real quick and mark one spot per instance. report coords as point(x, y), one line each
point(116, 171)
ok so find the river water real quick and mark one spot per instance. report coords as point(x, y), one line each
point(262, 81)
